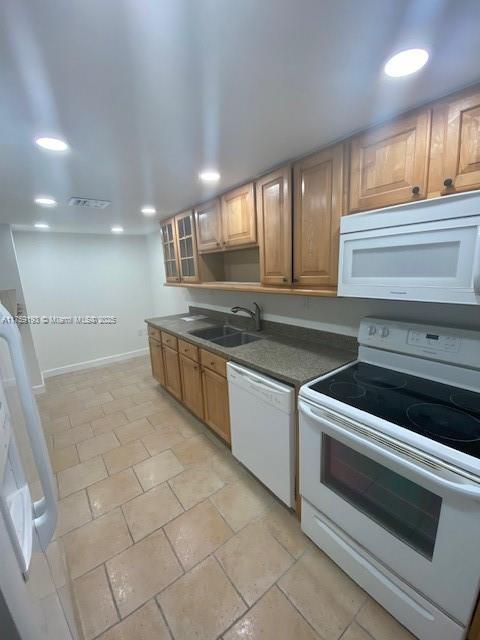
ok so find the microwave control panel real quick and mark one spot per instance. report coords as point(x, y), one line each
point(447, 344)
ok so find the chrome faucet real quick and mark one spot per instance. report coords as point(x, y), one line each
point(255, 314)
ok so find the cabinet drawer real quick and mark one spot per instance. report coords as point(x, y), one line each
point(188, 349)
point(169, 340)
point(213, 362)
point(154, 333)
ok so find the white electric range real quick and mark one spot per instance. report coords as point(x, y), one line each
point(390, 471)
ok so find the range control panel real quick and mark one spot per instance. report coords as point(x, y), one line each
point(449, 344)
point(432, 340)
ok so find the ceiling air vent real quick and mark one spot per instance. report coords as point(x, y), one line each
point(89, 203)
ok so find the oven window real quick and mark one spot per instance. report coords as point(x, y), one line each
point(408, 511)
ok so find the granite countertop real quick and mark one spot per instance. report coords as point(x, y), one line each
point(288, 358)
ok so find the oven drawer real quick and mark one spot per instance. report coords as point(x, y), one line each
point(410, 608)
point(419, 522)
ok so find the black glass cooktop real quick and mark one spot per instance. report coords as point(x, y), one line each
point(438, 411)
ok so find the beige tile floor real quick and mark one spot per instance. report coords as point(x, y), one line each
point(167, 536)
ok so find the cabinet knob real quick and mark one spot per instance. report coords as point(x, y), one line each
point(284, 279)
point(415, 191)
point(218, 244)
point(448, 182)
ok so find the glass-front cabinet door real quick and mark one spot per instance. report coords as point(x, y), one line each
point(186, 247)
point(170, 251)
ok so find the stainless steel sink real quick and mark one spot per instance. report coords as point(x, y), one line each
point(217, 331)
point(236, 339)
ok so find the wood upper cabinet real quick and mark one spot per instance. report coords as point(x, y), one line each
point(170, 250)
point(172, 372)
point(156, 359)
point(274, 217)
point(215, 400)
point(389, 164)
point(208, 220)
point(186, 247)
point(239, 224)
point(461, 162)
point(191, 375)
point(318, 196)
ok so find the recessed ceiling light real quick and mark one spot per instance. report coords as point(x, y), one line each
point(148, 211)
point(209, 176)
point(42, 225)
point(52, 144)
point(117, 229)
point(46, 201)
point(406, 62)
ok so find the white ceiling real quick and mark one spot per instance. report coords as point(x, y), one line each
point(149, 92)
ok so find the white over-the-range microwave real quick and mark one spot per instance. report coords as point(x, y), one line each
point(427, 251)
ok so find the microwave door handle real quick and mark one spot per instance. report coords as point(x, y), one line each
point(45, 509)
point(476, 269)
point(464, 490)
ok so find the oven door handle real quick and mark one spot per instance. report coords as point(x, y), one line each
point(465, 490)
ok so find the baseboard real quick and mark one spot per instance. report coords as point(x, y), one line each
point(98, 362)
point(38, 389)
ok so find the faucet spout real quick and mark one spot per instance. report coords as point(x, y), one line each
point(255, 314)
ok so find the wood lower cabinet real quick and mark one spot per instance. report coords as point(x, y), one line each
point(274, 218)
point(172, 372)
point(215, 400)
point(156, 359)
point(208, 221)
point(389, 164)
point(318, 197)
point(192, 392)
point(196, 377)
point(239, 224)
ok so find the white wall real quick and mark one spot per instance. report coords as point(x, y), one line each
point(73, 274)
point(85, 274)
point(339, 315)
point(10, 279)
point(166, 300)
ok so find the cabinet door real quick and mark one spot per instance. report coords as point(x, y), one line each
point(274, 216)
point(186, 247)
point(389, 164)
point(191, 385)
point(156, 359)
point(215, 400)
point(170, 251)
point(239, 223)
point(318, 191)
point(462, 144)
point(208, 220)
point(172, 372)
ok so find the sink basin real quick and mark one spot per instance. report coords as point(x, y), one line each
point(218, 331)
point(236, 339)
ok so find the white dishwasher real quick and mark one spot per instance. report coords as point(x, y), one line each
point(262, 428)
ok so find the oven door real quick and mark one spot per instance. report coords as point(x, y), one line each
point(422, 523)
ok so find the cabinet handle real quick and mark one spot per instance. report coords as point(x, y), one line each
point(415, 191)
point(448, 182)
point(212, 364)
